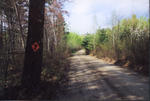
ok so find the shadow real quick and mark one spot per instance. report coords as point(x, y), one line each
point(95, 81)
point(140, 68)
point(45, 90)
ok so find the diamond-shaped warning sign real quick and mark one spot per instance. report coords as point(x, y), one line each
point(35, 46)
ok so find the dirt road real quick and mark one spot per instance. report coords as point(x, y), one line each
point(91, 79)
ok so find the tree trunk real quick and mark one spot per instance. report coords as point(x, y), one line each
point(1, 34)
point(19, 20)
point(34, 47)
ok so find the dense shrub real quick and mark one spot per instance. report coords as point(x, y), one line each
point(87, 43)
point(73, 41)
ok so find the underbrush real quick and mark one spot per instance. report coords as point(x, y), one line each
point(125, 63)
point(127, 42)
point(55, 68)
point(53, 77)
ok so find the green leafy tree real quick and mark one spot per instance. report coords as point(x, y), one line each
point(74, 41)
point(87, 43)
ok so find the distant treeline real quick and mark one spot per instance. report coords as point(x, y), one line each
point(126, 41)
point(74, 41)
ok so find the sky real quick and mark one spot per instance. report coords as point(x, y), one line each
point(85, 16)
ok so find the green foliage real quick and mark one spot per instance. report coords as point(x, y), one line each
point(97, 39)
point(101, 36)
point(74, 41)
point(128, 39)
point(87, 43)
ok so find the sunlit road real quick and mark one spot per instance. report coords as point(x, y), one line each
point(91, 79)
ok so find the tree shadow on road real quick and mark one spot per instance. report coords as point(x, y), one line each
point(105, 85)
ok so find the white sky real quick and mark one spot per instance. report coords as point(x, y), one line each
point(86, 15)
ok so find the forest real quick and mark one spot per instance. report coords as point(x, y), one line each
point(20, 31)
point(127, 42)
point(35, 47)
